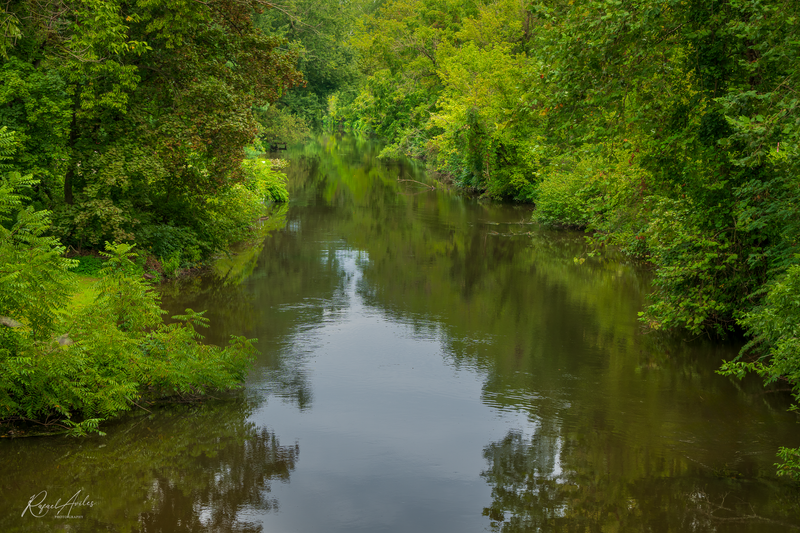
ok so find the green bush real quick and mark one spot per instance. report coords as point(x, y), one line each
point(565, 191)
point(177, 241)
point(265, 181)
point(696, 285)
point(87, 265)
point(72, 369)
point(558, 199)
point(216, 221)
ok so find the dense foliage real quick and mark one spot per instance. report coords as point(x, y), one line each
point(71, 368)
point(668, 128)
point(134, 116)
point(317, 31)
point(124, 122)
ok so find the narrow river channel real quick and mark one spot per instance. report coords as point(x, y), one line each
point(430, 363)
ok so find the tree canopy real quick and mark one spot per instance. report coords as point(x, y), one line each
point(133, 115)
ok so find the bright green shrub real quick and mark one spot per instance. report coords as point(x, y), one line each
point(71, 370)
point(87, 265)
point(264, 180)
point(603, 193)
point(570, 191)
point(232, 212)
point(34, 277)
point(560, 199)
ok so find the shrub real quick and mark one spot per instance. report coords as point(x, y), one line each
point(559, 200)
point(72, 369)
point(87, 265)
point(566, 190)
point(265, 181)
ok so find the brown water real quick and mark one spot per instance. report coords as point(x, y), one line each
point(430, 363)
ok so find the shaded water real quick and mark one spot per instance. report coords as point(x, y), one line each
point(429, 363)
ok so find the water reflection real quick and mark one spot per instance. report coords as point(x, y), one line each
point(446, 366)
point(200, 468)
point(546, 483)
point(528, 355)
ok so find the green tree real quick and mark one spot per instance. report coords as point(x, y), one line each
point(134, 114)
point(317, 31)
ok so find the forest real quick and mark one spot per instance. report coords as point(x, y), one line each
point(667, 129)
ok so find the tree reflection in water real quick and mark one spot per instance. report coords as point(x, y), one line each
point(183, 469)
point(633, 420)
point(241, 477)
point(549, 483)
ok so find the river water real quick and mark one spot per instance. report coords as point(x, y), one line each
point(429, 362)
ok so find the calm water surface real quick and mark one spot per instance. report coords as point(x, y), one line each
point(429, 363)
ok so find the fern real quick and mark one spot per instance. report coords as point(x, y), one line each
point(119, 354)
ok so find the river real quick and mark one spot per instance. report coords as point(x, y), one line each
point(430, 362)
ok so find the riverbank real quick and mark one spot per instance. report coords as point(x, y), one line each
point(391, 315)
point(77, 349)
point(670, 144)
point(413, 344)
